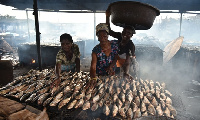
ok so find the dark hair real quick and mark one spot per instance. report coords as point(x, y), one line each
point(66, 36)
point(130, 27)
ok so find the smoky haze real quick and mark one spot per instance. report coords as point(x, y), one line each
point(181, 73)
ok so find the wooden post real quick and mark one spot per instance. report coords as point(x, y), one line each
point(35, 13)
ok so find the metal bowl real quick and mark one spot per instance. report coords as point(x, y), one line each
point(137, 14)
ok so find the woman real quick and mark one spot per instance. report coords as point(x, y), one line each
point(103, 55)
point(68, 57)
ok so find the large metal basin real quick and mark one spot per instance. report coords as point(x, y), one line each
point(137, 14)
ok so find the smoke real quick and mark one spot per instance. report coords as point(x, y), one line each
point(181, 75)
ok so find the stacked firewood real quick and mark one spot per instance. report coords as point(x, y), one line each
point(13, 110)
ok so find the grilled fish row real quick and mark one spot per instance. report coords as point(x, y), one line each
point(116, 95)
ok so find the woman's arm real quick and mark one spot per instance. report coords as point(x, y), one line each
point(129, 56)
point(77, 54)
point(93, 65)
point(110, 68)
point(58, 70)
point(57, 81)
point(126, 64)
point(77, 61)
point(133, 50)
point(111, 32)
point(92, 82)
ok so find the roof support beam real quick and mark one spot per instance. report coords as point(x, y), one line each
point(35, 13)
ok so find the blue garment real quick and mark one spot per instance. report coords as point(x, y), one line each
point(104, 61)
point(68, 68)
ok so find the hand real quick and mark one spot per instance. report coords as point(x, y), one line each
point(128, 77)
point(55, 83)
point(91, 84)
point(110, 70)
point(108, 13)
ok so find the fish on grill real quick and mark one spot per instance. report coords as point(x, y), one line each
point(137, 101)
point(127, 105)
point(88, 96)
point(44, 90)
point(79, 103)
point(113, 95)
point(118, 90)
point(145, 113)
point(159, 110)
point(81, 95)
point(30, 99)
point(163, 96)
point(106, 110)
point(154, 102)
point(17, 89)
point(42, 98)
point(141, 95)
point(5, 91)
point(151, 109)
point(47, 101)
point(56, 90)
point(86, 105)
point(122, 112)
point(114, 110)
point(168, 93)
point(65, 90)
point(72, 104)
point(172, 109)
point(145, 100)
point(38, 87)
point(137, 113)
point(101, 102)
point(130, 96)
point(64, 102)
point(157, 94)
point(168, 101)
point(18, 95)
point(143, 107)
point(96, 98)
point(57, 99)
point(130, 114)
point(134, 107)
point(24, 96)
point(122, 97)
point(94, 106)
point(167, 112)
point(149, 96)
point(163, 104)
